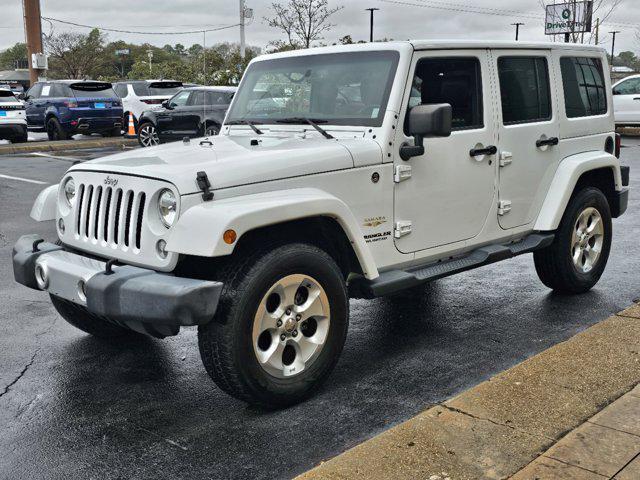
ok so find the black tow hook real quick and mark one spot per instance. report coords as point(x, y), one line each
point(108, 268)
point(34, 247)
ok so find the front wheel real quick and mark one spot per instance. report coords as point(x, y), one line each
point(148, 135)
point(575, 260)
point(280, 327)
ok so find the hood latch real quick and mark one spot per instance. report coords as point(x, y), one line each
point(205, 185)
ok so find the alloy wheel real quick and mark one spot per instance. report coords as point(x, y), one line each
point(291, 326)
point(149, 136)
point(587, 240)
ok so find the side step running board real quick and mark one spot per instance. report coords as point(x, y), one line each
point(395, 280)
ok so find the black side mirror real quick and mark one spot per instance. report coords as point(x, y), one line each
point(22, 96)
point(428, 120)
point(616, 92)
point(166, 105)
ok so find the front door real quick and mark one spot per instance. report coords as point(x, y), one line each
point(448, 192)
point(626, 101)
point(528, 132)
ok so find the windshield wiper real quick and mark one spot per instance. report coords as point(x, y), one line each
point(313, 122)
point(246, 122)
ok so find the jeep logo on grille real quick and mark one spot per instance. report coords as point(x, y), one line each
point(111, 181)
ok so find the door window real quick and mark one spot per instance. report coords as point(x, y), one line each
point(219, 98)
point(456, 81)
point(197, 98)
point(34, 92)
point(59, 90)
point(628, 87)
point(524, 89)
point(180, 99)
point(584, 87)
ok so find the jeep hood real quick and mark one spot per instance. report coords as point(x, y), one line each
point(233, 161)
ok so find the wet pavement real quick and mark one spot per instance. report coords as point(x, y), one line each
point(72, 406)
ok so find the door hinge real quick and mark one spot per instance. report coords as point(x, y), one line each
point(402, 228)
point(504, 207)
point(505, 158)
point(402, 173)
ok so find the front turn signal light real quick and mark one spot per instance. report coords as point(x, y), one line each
point(229, 237)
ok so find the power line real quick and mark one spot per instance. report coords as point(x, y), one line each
point(117, 30)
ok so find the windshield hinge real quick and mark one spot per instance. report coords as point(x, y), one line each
point(402, 173)
point(402, 228)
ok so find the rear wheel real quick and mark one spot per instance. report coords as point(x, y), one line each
point(55, 130)
point(81, 318)
point(211, 130)
point(148, 135)
point(575, 260)
point(22, 138)
point(280, 326)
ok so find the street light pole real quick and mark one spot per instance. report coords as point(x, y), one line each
point(242, 44)
point(371, 10)
point(613, 45)
point(517, 25)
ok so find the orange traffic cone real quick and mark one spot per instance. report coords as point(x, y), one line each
point(131, 131)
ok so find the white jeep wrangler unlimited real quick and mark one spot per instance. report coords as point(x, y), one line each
point(339, 172)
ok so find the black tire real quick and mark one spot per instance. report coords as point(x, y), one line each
point(82, 319)
point(55, 130)
point(212, 130)
point(554, 264)
point(226, 344)
point(147, 130)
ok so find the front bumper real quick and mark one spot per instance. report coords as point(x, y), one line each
point(144, 300)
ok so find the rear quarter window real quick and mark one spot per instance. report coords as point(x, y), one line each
point(584, 86)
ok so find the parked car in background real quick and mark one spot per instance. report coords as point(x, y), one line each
point(140, 95)
point(15, 87)
point(13, 121)
point(192, 112)
point(63, 108)
point(626, 101)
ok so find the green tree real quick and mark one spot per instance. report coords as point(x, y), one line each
point(14, 57)
point(76, 55)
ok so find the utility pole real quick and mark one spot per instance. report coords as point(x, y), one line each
point(371, 10)
point(613, 46)
point(242, 46)
point(33, 33)
point(517, 25)
point(597, 30)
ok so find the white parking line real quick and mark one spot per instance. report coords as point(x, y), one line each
point(20, 179)
point(55, 157)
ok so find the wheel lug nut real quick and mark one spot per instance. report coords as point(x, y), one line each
point(288, 312)
point(279, 323)
point(283, 337)
point(295, 333)
point(298, 317)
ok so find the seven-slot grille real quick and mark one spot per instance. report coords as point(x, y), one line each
point(110, 215)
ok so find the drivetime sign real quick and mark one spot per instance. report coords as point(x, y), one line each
point(568, 18)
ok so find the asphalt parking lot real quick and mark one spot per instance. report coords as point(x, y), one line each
point(75, 407)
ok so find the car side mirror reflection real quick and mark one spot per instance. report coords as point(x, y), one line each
point(166, 105)
point(426, 120)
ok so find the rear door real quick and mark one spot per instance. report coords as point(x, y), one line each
point(528, 132)
point(626, 101)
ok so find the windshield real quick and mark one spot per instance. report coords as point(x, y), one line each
point(92, 90)
point(337, 88)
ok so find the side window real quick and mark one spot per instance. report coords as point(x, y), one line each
point(584, 86)
point(456, 81)
point(197, 98)
point(120, 89)
point(34, 92)
point(628, 87)
point(524, 89)
point(218, 98)
point(180, 99)
point(58, 90)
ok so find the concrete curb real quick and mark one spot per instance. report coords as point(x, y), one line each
point(66, 145)
point(498, 427)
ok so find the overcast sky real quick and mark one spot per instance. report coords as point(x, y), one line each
point(397, 19)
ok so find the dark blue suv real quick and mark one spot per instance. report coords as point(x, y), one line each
point(65, 107)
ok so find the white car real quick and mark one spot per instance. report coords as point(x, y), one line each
point(13, 120)
point(379, 167)
point(140, 95)
point(626, 101)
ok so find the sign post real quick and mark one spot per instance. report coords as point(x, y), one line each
point(568, 18)
point(121, 53)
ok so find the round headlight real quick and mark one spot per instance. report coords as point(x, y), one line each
point(69, 190)
point(167, 207)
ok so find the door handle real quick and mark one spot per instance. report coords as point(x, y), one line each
point(547, 142)
point(490, 150)
point(637, 98)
